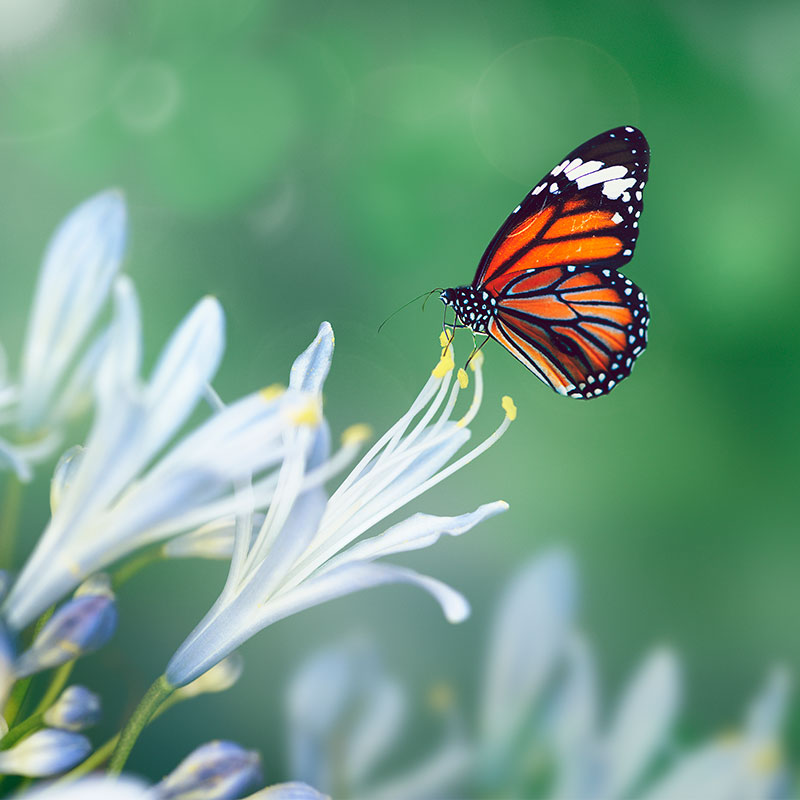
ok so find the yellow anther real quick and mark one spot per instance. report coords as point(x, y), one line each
point(356, 434)
point(767, 759)
point(444, 339)
point(446, 363)
point(476, 361)
point(308, 415)
point(463, 378)
point(271, 393)
point(441, 697)
point(509, 408)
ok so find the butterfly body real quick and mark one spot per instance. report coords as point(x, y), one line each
point(547, 288)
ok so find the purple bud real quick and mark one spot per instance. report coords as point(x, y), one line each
point(46, 752)
point(76, 709)
point(214, 771)
point(80, 626)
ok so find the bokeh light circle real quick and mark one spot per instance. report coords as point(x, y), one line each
point(546, 96)
point(147, 96)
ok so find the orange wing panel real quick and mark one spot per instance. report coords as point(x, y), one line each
point(580, 223)
point(546, 306)
point(519, 237)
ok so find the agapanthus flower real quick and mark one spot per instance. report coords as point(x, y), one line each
point(79, 267)
point(118, 497)
point(304, 553)
point(746, 764)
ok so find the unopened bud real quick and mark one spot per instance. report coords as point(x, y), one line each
point(214, 771)
point(44, 753)
point(83, 624)
point(77, 708)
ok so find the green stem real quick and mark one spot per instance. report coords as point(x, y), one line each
point(28, 726)
point(155, 696)
point(96, 759)
point(9, 521)
point(58, 682)
point(20, 691)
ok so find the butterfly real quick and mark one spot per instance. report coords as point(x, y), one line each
point(547, 287)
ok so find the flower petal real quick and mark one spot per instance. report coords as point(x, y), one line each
point(311, 367)
point(643, 721)
point(81, 261)
point(531, 629)
point(416, 533)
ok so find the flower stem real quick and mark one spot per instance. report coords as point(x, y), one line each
point(28, 726)
point(56, 685)
point(12, 503)
point(155, 696)
point(135, 564)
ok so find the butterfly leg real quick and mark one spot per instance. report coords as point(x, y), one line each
point(476, 350)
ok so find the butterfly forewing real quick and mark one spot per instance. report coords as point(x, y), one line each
point(584, 211)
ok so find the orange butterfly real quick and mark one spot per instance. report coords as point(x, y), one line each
point(547, 287)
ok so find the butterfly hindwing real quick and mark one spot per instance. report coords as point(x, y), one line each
point(584, 211)
point(578, 329)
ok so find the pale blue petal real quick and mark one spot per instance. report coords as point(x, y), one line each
point(311, 367)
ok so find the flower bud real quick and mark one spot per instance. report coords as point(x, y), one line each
point(218, 679)
point(77, 708)
point(83, 624)
point(46, 752)
point(7, 672)
point(214, 771)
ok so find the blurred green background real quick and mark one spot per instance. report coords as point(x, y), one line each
point(331, 160)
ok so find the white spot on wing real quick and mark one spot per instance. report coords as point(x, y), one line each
point(614, 188)
point(617, 218)
point(581, 169)
point(601, 176)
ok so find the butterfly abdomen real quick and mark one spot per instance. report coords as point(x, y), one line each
point(474, 307)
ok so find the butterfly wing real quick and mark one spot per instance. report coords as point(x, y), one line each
point(578, 329)
point(584, 211)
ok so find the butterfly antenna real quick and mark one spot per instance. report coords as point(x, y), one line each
point(426, 295)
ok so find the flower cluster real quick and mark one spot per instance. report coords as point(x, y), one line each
point(246, 483)
point(539, 730)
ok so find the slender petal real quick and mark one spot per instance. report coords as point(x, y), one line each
point(643, 720)
point(79, 266)
point(530, 633)
point(293, 790)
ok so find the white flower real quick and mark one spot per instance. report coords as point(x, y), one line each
point(116, 499)
point(345, 716)
point(304, 554)
point(79, 267)
point(748, 766)
point(607, 764)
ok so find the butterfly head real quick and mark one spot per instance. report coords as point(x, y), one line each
point(447, 296)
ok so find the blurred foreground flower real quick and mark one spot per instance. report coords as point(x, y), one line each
point(94, 788)
point(304, 555)
point(345, 716)
point(112, 502)
point(79, 266)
